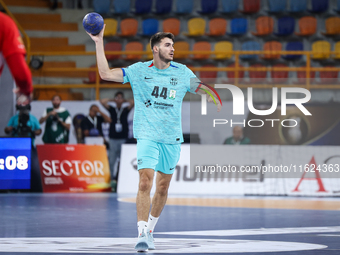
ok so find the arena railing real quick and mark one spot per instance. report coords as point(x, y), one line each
point(98, 85)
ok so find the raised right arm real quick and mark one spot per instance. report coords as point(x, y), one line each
point(105, 72)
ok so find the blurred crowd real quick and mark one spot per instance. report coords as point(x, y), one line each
point(112, 127)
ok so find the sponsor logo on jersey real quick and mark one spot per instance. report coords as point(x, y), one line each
point(173, 81)
point(148, 103)
point(172, 94)
point(161, 105)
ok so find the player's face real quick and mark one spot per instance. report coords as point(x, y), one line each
point(166, 50)
point(56, 102)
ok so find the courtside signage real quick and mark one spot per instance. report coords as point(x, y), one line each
point(252, 170)
point(74, 168)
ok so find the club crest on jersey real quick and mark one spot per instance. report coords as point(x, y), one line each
point(148, 103)
point(172, 94)
point(173, 81)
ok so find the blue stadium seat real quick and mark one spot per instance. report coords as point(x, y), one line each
point(143, 6)
point(101, 6)
point(229, 6)
point(293, 46)
point(163, 7)
point(121, 7)
point(277, 5)
point(208, 6)
point(184, 6)
point(319, 6)
point(250, 46)
point(337, 6)
point(298, 5)
point(150, 26)
point(238, 26)
point(285, 26)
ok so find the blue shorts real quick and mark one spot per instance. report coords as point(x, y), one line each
point(157, 156)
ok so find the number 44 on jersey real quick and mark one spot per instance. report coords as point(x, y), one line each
point(164, 93)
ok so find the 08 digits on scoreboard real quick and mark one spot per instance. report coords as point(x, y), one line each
point(11, 163)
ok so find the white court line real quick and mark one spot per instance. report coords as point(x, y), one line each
point(36, 245)
point(260, 231)
point(327, 235)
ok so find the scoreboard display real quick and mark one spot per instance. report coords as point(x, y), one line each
point(15, 163)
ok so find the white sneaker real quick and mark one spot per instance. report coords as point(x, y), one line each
point(142, 243)
point(151, 243)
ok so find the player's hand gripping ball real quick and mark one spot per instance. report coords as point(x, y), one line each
point(93, 23)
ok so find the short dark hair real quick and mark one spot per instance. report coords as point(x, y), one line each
point(94, 105)
point(56, 96)
point(157, 38)
point(119, 93)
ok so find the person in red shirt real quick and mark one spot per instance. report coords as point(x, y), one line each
point(12, 51)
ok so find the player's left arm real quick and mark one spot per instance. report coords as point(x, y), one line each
point(212, 95)
point(198, 87)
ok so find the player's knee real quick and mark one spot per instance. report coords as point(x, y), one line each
point(162, 189)
point(144, 186)
point(145, 183)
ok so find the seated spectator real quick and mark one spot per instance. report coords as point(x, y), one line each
point(237, 137)
point(92, 124)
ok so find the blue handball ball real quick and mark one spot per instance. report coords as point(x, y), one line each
point(93, 23)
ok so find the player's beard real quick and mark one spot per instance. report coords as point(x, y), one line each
point(163, 58)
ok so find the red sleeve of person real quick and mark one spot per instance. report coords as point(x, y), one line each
point(13, 51)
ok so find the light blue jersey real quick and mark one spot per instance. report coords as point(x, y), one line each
point(158, 96)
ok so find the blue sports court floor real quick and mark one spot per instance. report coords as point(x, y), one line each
point(106, 224)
